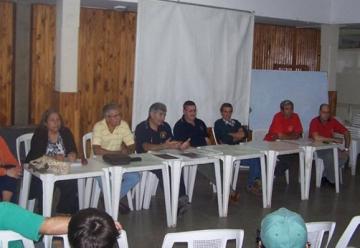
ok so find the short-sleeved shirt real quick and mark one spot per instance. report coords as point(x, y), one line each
point(56, 148)
point(281, 124)
point(145, 134)
point(184, 130)
point(112, 140)
point(326, 129)
point(6, 157)
point(223, 128)
point(19, 220)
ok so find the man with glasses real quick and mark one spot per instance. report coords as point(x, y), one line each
point(112, 135)
point(322, 129)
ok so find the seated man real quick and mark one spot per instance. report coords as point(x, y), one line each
point(113, 135)
point(283, 228)
point(10, 171)
point(155, 134)
point(286, 125)
point(87, 228)
point(229, 131)
point(322, 129)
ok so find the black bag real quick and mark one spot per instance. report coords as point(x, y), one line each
point(119, 159)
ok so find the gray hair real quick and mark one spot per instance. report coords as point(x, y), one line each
point(158, 106)
point(110, 106)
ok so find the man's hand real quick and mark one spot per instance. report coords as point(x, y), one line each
point(343, 155)
point(15, 172)
point(185, 145)
point(59, 157)
point(172, 144)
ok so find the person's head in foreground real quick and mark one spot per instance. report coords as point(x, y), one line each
point(283, 229)
point(324, 112)
point(287, 107)
point(92, 228)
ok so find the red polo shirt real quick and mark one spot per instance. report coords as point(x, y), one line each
point(283, 125)
point(326, 129)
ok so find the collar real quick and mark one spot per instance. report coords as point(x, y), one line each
point(231, 122)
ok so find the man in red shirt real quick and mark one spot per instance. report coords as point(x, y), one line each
point(286, 125)
point(322, 129)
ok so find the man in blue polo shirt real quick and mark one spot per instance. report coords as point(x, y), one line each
point(155, 134)
point(230, 131)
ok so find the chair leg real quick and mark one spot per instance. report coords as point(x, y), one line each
point(236, 175)
point(95, 195)
point(31, 205)
point(341, 175)
point(192, 176)
point(287, 176)
point(150, 181)
point(130, 201)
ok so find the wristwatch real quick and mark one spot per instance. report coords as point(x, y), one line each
point(346, 149)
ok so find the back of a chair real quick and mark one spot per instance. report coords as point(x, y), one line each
point(122, 240)
point(316, 232)
point(26, 139)
point(211, 135)
point(87, 137)
point(216, 238)
point(7, 236)
point(348, 233)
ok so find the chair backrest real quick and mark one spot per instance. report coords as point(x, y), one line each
point(87, 137)
point(7, 236)
point(211, 135)
point(348, 233)
point(216, 238)
point(26, 139)
point(316, 232)
point(122, 240)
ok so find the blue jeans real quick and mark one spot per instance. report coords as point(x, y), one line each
point(254, 169)
point(129, 180)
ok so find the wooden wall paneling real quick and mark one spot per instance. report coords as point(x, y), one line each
point(42, 60)
point(6, 62)
point(333, 102)
point(308, 48)
point(106, 63)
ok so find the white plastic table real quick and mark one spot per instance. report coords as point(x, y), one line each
point(177, 165)
point(230, 153)
point(115, 173)
point(309, 147)
point(77, 171)
point(272, 150)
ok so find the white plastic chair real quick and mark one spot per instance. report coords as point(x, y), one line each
point(26, 140)
point(122, 240)
point(64, 238)
point(348, 233)
point(316, 232)
point(7, 236)
point(96, 188)
point(216, 238)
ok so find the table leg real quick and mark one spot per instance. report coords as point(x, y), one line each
point(192, 177)
point(175, 185)
point(144, 178)
point(218, 188)
point(48, 191)
point(167, 196)
point(302, 174)
point(336, 168)
point(227, 168)
point(88, 190)
point(263, 180)
point(24, 193)
point(353, 155)
point(116, 179)
point(309, 155)
point(105, 181)
point(271, 163)
point(81, 187)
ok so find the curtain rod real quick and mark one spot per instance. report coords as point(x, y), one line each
point(209, 6)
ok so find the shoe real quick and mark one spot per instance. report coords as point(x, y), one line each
point(123, 209)
point(183, 205)
point(255, 189)
point(326, 182)
point(234, 196)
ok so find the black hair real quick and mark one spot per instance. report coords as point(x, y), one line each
point(225, 105)
point(92, 228)
point(323, 105)
point(188, 103)
point(286, 103)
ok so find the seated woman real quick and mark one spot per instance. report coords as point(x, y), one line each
point(10, 171)
point(51, 138)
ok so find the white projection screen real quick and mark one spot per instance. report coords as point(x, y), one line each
point(190, 52)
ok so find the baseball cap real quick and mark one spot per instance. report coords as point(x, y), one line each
point(283, 229)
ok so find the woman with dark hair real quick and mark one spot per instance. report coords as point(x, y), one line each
point(53, 139)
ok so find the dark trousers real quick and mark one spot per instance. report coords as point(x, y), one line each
point(8, 184)
point(68, 203)
point(182, 190)
point(285, 162)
